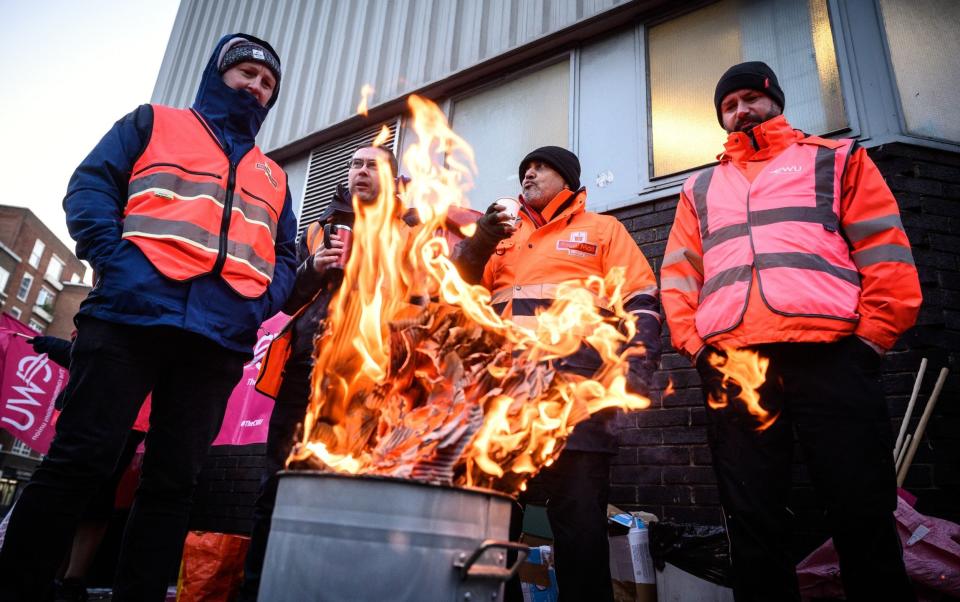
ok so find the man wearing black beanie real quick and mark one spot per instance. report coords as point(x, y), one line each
point(553, 240)
point(791, 251)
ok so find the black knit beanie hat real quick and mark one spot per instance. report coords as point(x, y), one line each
point(562, 160)
point(239, 50)
point(754, 75)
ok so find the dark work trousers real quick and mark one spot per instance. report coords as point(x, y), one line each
point(831, 395)
point(112, 368)
point(575, 490)
point(288, 413)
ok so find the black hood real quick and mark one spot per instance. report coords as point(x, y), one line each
point(234, 115)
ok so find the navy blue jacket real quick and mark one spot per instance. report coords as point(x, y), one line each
point(129, 290)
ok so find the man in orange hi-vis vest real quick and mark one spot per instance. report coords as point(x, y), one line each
point(792, 247)
point(555, 240)
point(191, 231)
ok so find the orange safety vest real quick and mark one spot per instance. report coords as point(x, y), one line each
point(271, 367)
point(192, 213)
point(804, 270)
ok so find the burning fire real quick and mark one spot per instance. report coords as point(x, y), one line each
point(365, 92)
point(746, 370)
point(417, 376)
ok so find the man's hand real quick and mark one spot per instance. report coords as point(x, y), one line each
point(496, 224)
point(43, 344)
point(711, 378)
point(323, 258)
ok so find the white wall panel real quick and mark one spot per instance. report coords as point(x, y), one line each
point(330, 48)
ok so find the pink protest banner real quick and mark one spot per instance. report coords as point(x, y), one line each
point(248, 412)
point(30, 383)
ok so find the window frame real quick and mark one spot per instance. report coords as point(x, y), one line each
point(570, 55)
point(26, 293)
point(39, 256)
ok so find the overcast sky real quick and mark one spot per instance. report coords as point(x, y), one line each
point(70, 69)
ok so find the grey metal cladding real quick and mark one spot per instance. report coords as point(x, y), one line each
point(330, 48)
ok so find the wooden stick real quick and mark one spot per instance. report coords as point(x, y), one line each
point(922, 426)
point(913, 401)
point(903, 452)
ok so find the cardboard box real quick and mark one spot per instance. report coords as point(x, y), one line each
point(538, 580)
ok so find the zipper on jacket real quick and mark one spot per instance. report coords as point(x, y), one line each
point(225, 221)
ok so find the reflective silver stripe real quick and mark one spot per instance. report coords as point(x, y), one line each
point(686, 284)
point(650, 291)
point(255, 213)
point(244, 253)
point(683, 254)
point(857, 231)
point(806, 261)
point(648, 312)
point(502, 296)
point(741, 273)
point(700, 187)
point(883, 253)
point(723, 235)
point(766, 217)
point(176, 186)
point(824, 170)
point(151, 227)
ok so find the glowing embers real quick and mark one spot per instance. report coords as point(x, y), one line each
point(743, 372)
point(417, 376)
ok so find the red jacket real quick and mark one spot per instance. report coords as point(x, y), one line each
point(869, 219)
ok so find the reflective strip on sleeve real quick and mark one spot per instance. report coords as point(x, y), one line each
point(683, 254)
point(685, 284)
point(881, 254)
point(858, 231)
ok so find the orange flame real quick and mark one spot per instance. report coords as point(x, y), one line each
point(746, 370)
point(399, 388)
point(382, 136)
point(670, 390)
point(365, 92)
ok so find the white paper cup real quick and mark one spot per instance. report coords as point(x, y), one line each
point(510, 206)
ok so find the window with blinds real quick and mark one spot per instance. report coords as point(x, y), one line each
point(328, 167)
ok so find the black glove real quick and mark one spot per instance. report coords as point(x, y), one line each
point(57, 349)
point(491, 229)
point(711, 378)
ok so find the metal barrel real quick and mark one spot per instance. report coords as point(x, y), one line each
point(339, 537)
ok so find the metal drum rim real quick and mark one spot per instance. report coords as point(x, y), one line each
point(383, 478)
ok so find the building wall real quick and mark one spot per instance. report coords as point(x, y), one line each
point(398, 47)
point(68, 304)
point(19, 231)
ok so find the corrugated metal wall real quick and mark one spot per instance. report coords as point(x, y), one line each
point(330, 48)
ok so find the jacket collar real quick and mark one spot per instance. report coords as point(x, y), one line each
point(565, 204)
point(772, 137)
point(234, 116)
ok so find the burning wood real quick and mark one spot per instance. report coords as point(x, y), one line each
point(447, 391)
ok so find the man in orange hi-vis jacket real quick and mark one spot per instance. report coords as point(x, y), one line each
point(793, 247)
point(555, 240)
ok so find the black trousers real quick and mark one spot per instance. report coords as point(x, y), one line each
point(831, 395)
point(575, 489)
point(288, 413)
point(112, 368)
